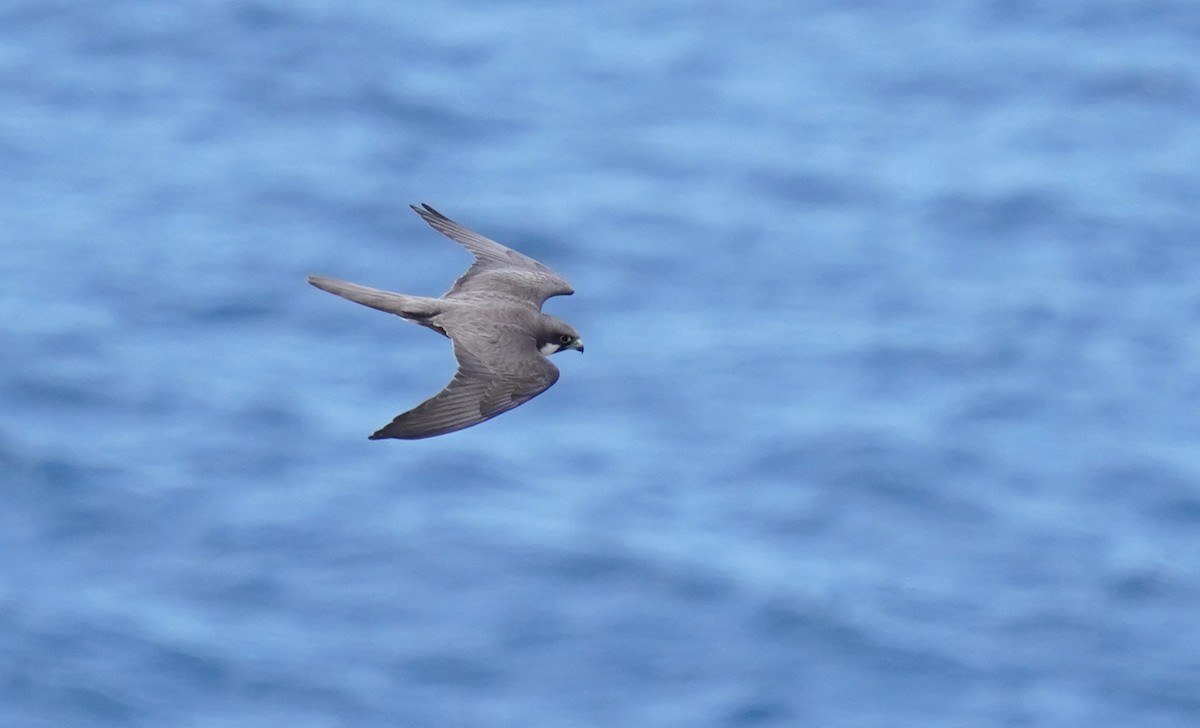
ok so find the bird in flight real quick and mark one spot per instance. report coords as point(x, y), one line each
point(493, 316)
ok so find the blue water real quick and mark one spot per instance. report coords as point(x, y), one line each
point(888, 416)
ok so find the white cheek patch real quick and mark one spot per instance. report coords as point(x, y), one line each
point(548, 349)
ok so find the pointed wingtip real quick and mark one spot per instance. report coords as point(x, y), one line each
point(382, 433)
point(426, 211)
point(329, 285)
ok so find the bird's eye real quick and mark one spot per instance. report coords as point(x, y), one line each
point(566, 338)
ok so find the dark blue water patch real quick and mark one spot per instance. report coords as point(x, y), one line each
point(1120, 20)
point(250, 591)
point(69, 386)
point(251, 308)
point(781, 620)
point(1002, 406)
point(259, 17)
point(1141, 85)
point(93, 704)
point(1156, 488)
point(972, 219)
point(436, 120)
point(611, 569)
point(458, 472)
point(65, 498)
point(875, 465)
point(1169, 698)
point(1139, 586)
point(915, 86)
point(66, 685)
point(174, 664)
point(1154, 251)
point(809, 650)
point(449, 670)
point(829, 190)
point(907, 367)
point(765, 712)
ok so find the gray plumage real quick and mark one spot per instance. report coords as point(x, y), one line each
point(493, 315)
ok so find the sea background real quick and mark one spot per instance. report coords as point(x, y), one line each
point(889, 416)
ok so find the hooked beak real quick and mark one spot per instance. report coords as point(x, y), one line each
point(577, 345)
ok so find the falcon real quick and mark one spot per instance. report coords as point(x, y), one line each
point(493, 316)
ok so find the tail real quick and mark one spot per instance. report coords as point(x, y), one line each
point(413, 308)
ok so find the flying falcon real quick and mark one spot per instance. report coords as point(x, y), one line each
point(493, 315)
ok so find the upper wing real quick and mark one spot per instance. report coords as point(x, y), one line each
point(497, 270)
point(506, 374)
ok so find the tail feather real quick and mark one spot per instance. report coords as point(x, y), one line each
point(415, 308)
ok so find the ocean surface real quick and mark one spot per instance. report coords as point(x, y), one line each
point(889, 416)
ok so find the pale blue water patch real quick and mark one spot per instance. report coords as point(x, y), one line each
point(886, 415)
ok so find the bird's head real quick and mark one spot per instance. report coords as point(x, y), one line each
point(557, 336)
